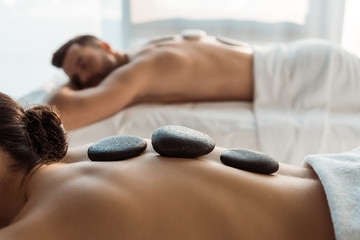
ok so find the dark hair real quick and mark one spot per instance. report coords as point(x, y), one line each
point(59, 55)
point(31, 137)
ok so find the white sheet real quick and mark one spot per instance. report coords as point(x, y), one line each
point(230, 124)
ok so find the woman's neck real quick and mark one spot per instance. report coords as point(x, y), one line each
point(13, 194)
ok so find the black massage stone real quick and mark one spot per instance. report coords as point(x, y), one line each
point(249, 161)
point(179, 141)
point(116, 148)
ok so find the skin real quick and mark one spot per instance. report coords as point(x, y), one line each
point(13, 196)
point(172, 71)
point(154, 197)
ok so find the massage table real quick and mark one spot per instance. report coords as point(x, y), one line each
point(306, 102)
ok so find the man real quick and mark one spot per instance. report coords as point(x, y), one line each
point(104, 81)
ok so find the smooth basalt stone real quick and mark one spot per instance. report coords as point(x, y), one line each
point(179, 141)
point(249, 161)
point(116, 148)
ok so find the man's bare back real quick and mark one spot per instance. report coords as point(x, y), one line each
point(174, 71)
point(154, 197)
point(200, 70)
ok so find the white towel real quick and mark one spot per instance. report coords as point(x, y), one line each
point(340, 176)
point(307, 99)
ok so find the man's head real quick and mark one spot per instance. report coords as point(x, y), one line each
point(87, 60)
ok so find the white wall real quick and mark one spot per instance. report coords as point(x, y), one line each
point(30, 31)
point(351, 29)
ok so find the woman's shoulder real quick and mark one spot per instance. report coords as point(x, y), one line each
point(63, 183)
point(65, 199)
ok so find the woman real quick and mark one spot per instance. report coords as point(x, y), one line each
point(146, 197)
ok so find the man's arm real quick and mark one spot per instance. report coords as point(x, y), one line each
point(118, 90)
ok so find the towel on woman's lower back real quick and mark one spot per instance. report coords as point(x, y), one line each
point(340, 176)
point(307, 99)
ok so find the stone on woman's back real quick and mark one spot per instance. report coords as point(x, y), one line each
point(179, 141)
point(249, 161)
point(116, 148)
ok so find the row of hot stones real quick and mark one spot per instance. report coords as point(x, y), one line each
point(180, 142)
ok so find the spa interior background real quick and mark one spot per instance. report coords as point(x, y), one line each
point(31, 30)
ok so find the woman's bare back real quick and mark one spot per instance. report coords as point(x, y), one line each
point(153, 197)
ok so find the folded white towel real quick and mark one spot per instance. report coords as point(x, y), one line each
point(340, 176)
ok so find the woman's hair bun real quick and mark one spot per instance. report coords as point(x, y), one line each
point(46, 133)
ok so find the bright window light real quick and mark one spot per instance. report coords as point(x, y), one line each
point(351, 32)
point(253, 10)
